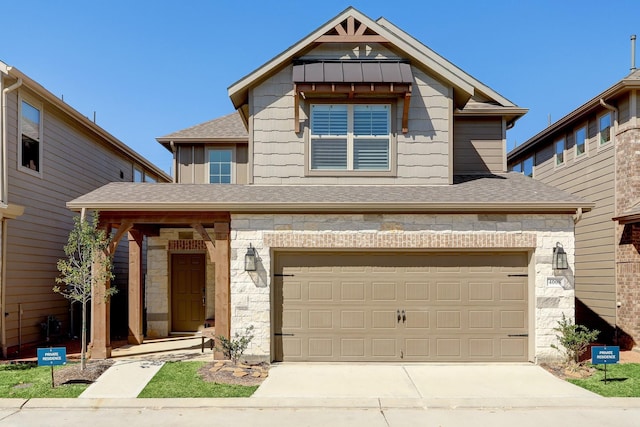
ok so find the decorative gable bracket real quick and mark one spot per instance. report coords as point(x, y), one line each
point(351, 31)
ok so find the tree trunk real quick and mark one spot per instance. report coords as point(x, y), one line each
point(83, 344)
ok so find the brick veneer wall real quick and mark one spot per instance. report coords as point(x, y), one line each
point(536, 234)
point(628, 237)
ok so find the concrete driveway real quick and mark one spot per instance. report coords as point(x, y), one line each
point(419, 381)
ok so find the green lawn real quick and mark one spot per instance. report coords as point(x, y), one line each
point(26, 381)
point(181, 379)
point(623, 380)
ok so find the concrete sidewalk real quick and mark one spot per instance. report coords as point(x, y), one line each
point(125, 379)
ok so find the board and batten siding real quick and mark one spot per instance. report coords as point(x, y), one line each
point(478, 146)
point(192, 163)
point(278, 155)
point(73, 163)
point(591, 177)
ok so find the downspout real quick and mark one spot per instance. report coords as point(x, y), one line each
point(4, 201)
point(174, 173)
point(615, 204)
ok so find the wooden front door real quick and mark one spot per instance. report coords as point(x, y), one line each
point(188, 286)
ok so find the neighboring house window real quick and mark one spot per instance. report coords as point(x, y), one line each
point(351, 137)
point(220, 165)
point(527, 166)
point(138, 175)
point(517, 167)
point(148, 178)
point(581, 141)
point(604, 129)
point(30, 147)
point(560, 146)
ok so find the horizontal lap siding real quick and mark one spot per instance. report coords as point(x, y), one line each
point(478, 146)
point(279, 153)
point(73, 164)
point(590, 177)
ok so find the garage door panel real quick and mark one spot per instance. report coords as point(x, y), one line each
point(416, 291)
point(481, 292)
point(384, 347)
point(352, 319)
point(515, 319)
point(481, 319)
point(345, 306)
point(352, 291)
point(384, 291)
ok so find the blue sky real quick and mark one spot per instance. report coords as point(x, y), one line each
point(149, 68)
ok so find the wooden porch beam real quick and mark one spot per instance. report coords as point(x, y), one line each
point(123, 229)
point(210, 244)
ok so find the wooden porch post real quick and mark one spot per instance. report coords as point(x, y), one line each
point(222, 275)
point(135, 287)
point(100, 317)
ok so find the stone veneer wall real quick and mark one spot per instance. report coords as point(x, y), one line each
point(628, 236)
point(158, 295)
point(538, 234)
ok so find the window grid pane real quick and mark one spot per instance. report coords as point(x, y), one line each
point(329, 119)
point(329, 154)
point(220, 166)
point(371, 154)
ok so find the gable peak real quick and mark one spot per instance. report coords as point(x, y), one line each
point(351, 30)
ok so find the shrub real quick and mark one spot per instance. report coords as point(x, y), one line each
point(574, 339)
point(234, 348)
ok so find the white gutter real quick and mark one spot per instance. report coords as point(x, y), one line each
point(5, 185)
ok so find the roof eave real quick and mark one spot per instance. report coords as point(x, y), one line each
point(84, 121)
point(409, 207)
point(585, 108)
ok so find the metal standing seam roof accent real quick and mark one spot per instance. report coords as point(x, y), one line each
point(504, 192)
point(353, 72)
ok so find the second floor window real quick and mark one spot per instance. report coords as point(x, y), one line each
point(604, 129)
point(560, 147)
point(220, 165)
point(527, 166)
point(350, 137)
point(581, 141)
point(31, 130)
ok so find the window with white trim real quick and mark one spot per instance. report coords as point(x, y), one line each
point(604, 129)
point(581, 141)
point(527, 166)
point(350, 137)
point(220, 165)
point(560, 146)
point(138, 174)
point(30, 148)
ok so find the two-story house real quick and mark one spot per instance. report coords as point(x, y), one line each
point(355, 208)
point(50, 153)
point(591, 152)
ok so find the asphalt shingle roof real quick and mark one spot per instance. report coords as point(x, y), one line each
point(504, 192)
point(225, 127)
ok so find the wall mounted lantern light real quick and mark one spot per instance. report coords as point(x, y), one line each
point(559, 260)
point(250, 259)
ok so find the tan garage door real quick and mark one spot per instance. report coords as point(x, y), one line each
point(400, 306)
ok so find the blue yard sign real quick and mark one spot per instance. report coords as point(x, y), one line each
point(605, 355)
point(52, 356)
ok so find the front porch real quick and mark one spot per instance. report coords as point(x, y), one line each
point(173, 239)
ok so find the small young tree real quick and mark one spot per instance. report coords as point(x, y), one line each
point(86, 248)
point(574, 339)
